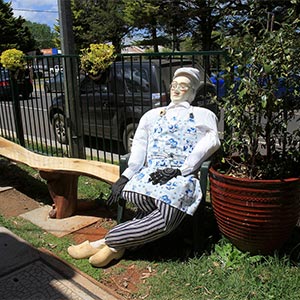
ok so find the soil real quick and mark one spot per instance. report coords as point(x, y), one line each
point(14, 203)
point(123, 279)
point(21, 192)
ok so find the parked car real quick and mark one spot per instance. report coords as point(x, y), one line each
point(112, 107)
point(56, 69)
point(55, 84)
point(38, 71)
point(24, 81)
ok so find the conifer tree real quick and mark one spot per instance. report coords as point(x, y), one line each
point(12, 30)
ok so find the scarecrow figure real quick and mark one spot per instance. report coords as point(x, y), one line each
point(169, 146)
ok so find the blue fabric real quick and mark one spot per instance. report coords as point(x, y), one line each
point(170, 142)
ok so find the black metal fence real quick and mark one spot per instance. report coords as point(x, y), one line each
point(54, 109)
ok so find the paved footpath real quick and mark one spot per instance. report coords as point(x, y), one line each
point(29, 273)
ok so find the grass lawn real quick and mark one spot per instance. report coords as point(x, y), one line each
point(174, 273)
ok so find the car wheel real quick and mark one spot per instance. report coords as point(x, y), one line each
point(25, 96)
point(59, 128)
point(128, 136)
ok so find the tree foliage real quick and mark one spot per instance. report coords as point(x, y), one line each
point(165, 21)
point(42, 34)
point(99, 21)
point(169, 22)
point(257, 15)
point(263, 96)
point(13, 32)
point(144, 14)
point(205, 17)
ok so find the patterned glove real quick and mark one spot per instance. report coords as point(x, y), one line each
point(164, 175)
point(116, 190)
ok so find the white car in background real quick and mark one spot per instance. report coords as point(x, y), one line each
point(56, 69)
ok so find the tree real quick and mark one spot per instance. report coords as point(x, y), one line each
point(42, 34)
point(144, 14)
point(205, 15)
point(13, 32)
point(176, 20)
point(177, 26)
point(257, 15)
point(99, 21)
point(165, 21)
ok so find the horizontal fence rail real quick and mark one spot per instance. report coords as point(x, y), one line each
point(53, 108)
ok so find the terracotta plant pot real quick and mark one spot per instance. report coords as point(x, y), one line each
point(257, 216)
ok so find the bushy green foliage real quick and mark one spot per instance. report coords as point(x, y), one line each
point(99, 21)
point(259, 65)
point(97, 58)
point(42, 34)
point(14, 34)
point(13, 59)
point(228, 256)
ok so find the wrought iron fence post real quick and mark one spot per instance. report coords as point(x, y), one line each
point(16, 107)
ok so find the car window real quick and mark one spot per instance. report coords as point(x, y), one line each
point(135, 79)
point(138, 80)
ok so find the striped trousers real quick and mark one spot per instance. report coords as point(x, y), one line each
point(154, 220)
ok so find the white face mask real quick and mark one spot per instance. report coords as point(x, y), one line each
point(181, 90)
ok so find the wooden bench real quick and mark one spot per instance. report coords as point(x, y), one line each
point(61, 174)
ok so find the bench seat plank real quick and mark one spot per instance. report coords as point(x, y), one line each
point(104, 171)
point(61, 174)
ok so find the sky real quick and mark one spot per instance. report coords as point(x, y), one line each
point(39, 11)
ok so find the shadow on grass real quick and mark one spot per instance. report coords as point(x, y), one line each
point(14, 176)
point(291, 248)
point(178, 246)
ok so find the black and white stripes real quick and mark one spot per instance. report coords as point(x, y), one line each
point(154, 220)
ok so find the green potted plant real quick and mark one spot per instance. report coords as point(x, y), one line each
point(13, 60)
point(96, 59)
point(255, 185)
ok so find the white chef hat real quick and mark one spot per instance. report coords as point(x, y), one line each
point(192, 73)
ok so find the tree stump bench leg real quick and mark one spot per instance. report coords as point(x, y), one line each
point(63, 191)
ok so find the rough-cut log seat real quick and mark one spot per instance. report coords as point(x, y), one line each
point(61, 174)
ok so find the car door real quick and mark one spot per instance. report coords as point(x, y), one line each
point(94, 102)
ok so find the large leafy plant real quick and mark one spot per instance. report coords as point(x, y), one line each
point(263, 98)
point(97, 58)
point(13, 59)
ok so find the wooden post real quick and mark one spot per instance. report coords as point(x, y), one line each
point(63, 191)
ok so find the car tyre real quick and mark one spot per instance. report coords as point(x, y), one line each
point(25, 96)
point(128, 136)
point(59, 128)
